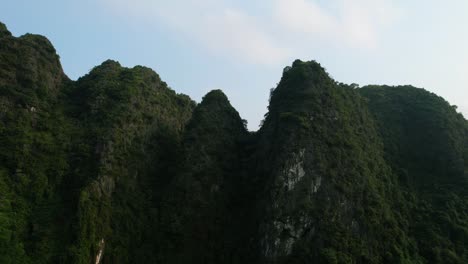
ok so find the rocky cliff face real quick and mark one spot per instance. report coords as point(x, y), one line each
point(326, 182)
point(132, 126)
point(200, 204)
point(33, 144)
point(81, 162)
point(117, 168)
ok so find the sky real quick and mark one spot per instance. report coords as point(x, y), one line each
point(242, 46)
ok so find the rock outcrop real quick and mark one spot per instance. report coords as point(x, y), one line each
point(116, 167)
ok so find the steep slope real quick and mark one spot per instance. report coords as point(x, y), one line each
point(33, 145)
point(117, 168)
point(81, 162)
point(131, 124)
point(201, 213)
point(426, 143)
point(328, 191)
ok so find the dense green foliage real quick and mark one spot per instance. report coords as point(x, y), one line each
point(426, 144)
point(79, 159)
point(326, 181)
point(33, 145)
point(200, 203)
point(117, 168)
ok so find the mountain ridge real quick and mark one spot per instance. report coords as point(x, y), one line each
point(116, 167)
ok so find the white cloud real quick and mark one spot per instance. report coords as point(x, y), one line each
point(304, 16)
point(239, 34)
point(356, 22)
point(276, 35)
point(222, 29)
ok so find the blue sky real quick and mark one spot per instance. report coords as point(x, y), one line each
point(242, 46)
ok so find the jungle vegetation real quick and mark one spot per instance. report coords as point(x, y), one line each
point(116, 167)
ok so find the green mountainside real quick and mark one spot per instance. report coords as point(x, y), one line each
point(116, 167)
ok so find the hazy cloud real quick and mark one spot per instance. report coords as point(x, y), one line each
point(356, 22)
point(220, 28)
point(239, 33)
